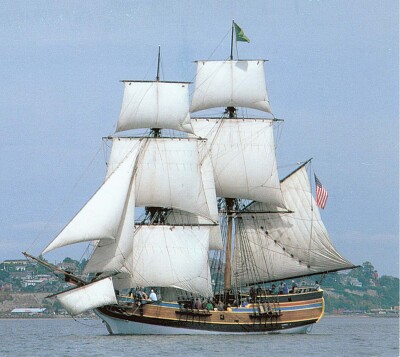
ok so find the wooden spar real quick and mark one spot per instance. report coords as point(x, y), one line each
point(260, 212)
point(156, 132)
point(233, 24)
point(228, 253)
point(69, 277)
point(304, 275)
point(158, 65)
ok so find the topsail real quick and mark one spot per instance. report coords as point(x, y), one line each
point(242, 153)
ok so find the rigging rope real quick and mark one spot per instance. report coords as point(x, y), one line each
point(67, 198)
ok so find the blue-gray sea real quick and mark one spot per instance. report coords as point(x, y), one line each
point(332, 336)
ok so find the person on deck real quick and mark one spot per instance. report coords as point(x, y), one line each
point(197, 304)
point(253, 294)
point(220, 306)
point(274, 289)
point(281, 288)
point(142, 294)
point(285, 289)
point(153, 296)
point(294, 286)
point(209, 306)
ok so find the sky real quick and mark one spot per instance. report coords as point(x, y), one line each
point(332, 75)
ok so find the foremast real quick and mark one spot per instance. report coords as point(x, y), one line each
point(170, 179)
point(156, 132)
point(156, 214)
point(164, 174)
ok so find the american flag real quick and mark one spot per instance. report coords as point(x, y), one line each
point(321, 193)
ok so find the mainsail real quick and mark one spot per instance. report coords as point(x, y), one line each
point(280, 234)
point(242, 151)
point(275, 246)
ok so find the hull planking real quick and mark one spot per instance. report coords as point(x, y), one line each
point(293, 313)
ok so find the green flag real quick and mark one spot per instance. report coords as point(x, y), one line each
point(240, 36)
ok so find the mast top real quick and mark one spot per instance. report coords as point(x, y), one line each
point(158, 65)
point(233, 25)
point(239, 34)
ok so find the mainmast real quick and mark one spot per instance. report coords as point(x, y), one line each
point(241, 171)
point(229, 203)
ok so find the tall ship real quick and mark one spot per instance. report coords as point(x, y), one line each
point(192, 230)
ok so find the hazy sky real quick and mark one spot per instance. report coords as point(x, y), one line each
point(332, 75)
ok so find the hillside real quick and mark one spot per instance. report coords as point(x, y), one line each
point(360, 290)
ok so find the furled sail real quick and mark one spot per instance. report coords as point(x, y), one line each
point(155, 104)
point(281, 246)
point(102, 215)
point(230, 84)
point(172, 257)
point(243, 157)
point(87, 297)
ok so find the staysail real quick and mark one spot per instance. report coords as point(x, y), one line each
point(103, 214)
point(112, 255)
point(285, 245)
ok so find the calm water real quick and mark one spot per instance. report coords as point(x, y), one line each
point(333, 336)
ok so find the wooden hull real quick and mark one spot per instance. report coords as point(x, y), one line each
point(292, 313)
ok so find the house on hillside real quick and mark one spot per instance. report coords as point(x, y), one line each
point(15, 265)
point(68, 266)
point(6, 287)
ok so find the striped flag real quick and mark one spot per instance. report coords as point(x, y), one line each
point(321, 193)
